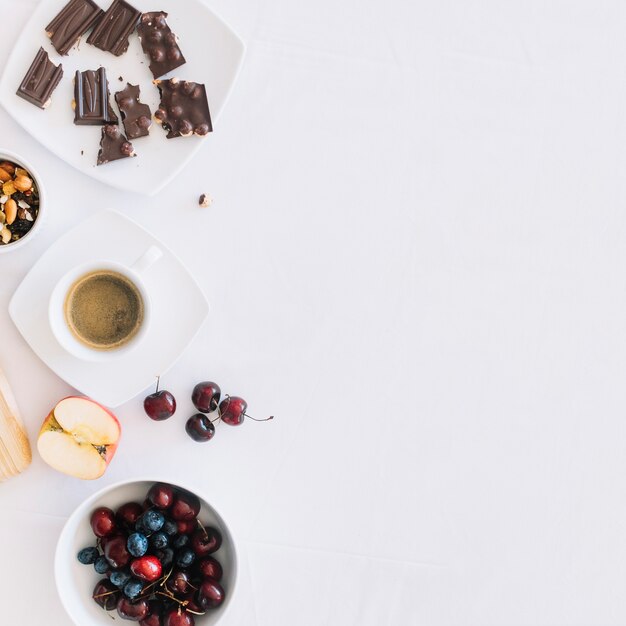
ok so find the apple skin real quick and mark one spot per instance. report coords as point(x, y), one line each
point(98, 462)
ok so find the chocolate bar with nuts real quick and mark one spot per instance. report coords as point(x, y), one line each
point(74, 20)
point(184, 109)
point(136, 116)
point(91, 98)
point(114, 28)
point(41, 80)
point(113, 145)
point(159, 43)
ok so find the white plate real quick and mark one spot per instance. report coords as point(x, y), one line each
point(214, 55)
point(177, 313)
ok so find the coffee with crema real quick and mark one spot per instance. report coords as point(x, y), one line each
point(104, 310)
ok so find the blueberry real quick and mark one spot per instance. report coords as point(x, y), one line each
point(137, 544)
point(87, 556)
point(170, 527)
point(159, 540)
point(101, 565)
point(133, 588)
point(185, 558)
point(153, 520)
point(180, 542)
point(166, 556)
point(140, 527)
point(119, 578)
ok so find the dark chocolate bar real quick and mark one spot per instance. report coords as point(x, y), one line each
point(91, 95)
point(115, 27)
point(184, 109)
point(41, 80)
point(136, 116)
point(113, 145)
point(74, 20)
point(159, 43)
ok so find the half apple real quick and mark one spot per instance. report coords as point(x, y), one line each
point(79, 438)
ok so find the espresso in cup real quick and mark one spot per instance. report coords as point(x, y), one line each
point(104, 310)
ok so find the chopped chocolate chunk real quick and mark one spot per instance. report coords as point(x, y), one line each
point(205, 201)
point(74, 20)
point(114, 28)
point(184, 109)
point(114, 145)
point(159, 43)
point(41, 80)
point(136, 116)
point(91, 94)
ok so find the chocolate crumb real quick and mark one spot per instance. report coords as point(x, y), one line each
point(205, 200)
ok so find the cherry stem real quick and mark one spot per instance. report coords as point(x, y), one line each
point(254, 419)
point(158, 383)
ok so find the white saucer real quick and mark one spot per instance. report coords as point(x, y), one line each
point(177, 313)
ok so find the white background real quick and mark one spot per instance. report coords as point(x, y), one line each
point(416, 260)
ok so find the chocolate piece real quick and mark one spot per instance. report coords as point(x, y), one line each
point(41, 80)
point(74, 20)
point(136, 116)
point(159, 43)
point(184, 109)
point(113, 30)
point(114, 145)
point(91, 98)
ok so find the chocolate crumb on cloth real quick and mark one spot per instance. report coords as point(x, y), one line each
point(113, 145)
point(184, 109)
point(114, 28)
point(74, 20)
point(159, 43)
point(136, 116)
point(91, 99)
point(41, 80)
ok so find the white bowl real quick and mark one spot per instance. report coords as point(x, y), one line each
point(75, 582)
point(6, 155)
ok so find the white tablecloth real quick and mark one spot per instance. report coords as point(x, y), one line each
point(417, 260)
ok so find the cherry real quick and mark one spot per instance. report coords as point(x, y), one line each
point(129, 513)
point(134, 611)
point(233, 411)
point(103, 522)
point(155, 619)
point(161, 495)
point(206, 396)
point(208, 567)
point(205, 541)
point(186, 527)
point(178, 582)
point(116, 552)
point(147, 568)
point(210, 594)
point(106, 594)
point(178, 617)
point(160, 405)
point(192, 605)
point(186, 506)
point(200, 428)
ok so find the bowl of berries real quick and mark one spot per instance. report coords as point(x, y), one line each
point(149, 552)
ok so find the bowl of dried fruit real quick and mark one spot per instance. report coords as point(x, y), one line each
point(149, 552)
point(21, 201)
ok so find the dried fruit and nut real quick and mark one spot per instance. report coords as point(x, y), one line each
point(19, 202)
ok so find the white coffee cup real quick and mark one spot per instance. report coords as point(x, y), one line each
point(56, 309)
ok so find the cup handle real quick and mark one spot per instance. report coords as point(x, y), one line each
point(147, 259)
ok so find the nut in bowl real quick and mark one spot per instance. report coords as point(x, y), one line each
point(22, 199)
point(146, 551)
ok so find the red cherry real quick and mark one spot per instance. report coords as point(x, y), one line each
point(178, 617)
point(103, 522)
point(133, 611)
point(232, 411)
point(185, 507)
point(178, 582)
point(147, 568)
point(106, 594)
point(116, 553)
point(208, 567)
point(210, 594)
point(161, 495)
point(152, 620)
point(205, 541)
point(160, 405)
point(206, 396)
point(129, 513)
point(186, 527)
point(192, 603)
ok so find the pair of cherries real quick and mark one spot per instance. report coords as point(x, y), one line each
point(161, 405)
